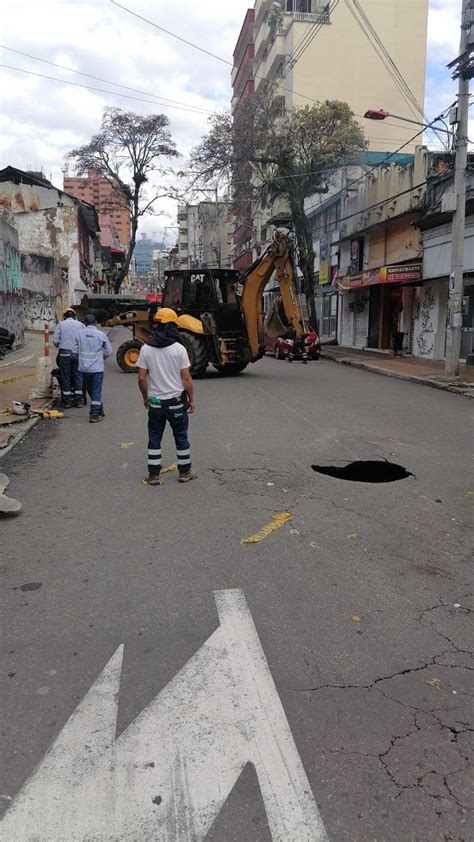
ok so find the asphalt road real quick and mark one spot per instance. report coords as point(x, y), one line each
point(362, 603)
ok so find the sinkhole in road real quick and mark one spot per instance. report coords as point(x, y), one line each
point(365, 471)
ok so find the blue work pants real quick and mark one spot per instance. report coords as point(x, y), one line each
point(93, 383)
point(70, 377)
point(174, 412)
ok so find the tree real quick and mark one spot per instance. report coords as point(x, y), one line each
point(127, 150)
point(291, 153)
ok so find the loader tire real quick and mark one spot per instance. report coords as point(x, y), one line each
point(197, 352)
point(127, 355)
point(231, 369)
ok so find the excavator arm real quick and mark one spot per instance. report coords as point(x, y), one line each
point(276, 258)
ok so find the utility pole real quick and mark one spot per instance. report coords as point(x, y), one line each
point(456, 280)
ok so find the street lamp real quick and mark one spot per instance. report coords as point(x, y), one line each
point(380, 114)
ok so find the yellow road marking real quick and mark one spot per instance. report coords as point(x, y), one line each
point(277, 523)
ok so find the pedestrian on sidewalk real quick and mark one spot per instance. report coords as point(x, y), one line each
point(165, 382)
point(93, 348)
point(70, 378)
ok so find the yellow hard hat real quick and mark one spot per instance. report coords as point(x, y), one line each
point(69, 310)
point(166, 315)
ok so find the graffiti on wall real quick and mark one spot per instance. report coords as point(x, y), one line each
point(10, 269)
point(38, 309)
point(11, 315)
point(424, 317)
point(11, 302)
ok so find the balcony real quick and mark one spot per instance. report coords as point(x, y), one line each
point(245, 38)
point(247, 91)
point(312, 17)
point(277, 52)
point(238, 73)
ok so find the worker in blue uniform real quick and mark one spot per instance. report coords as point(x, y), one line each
point(70, 378)
point(93, 347)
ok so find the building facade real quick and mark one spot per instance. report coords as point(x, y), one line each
point(431, 297)
point(380, 255)
point(243, 85)
point(385, 260)
point(310, 54)
point(107, 201)
point(204, 235)
point(11, 298)
point(59, 245)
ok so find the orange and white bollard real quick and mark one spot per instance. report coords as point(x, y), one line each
point(46, 339)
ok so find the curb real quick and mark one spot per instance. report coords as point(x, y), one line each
point(413, 378)
point(18, 436)
point(24, 428)
point(5, 381)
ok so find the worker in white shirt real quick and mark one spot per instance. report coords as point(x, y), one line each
point(166, 386)
point(93, 347)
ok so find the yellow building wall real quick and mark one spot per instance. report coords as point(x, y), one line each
point(394, 242)
point(341, 64)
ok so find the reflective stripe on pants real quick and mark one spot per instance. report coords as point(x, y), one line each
point(175, 414)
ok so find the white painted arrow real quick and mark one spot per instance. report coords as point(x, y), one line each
point(169, 773)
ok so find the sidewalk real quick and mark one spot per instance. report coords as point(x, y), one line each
point(17, 378)
point(427, 372)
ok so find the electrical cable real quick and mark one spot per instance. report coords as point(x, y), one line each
point(213, 55)
point(107, 81)
point(100, 90)
point(220, 58)
point(368, 29)
point(395, 72)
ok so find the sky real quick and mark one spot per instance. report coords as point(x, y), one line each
point(43, 119)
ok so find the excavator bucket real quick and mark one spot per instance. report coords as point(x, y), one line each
point(274, 322)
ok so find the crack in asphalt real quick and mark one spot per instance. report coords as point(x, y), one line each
point(383, 756)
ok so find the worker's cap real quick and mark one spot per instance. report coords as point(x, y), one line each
point(89, 319)
point(69, 312)
point(166, 315)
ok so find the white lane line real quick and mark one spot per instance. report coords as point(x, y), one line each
point(168, 775)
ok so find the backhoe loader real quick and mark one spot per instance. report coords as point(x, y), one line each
point(221, 313)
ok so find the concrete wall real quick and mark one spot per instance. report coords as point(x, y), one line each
point(44, 293)
point(437, 250)
point(47, 226)
point(11, 300)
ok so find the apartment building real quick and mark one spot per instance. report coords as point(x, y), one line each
point(205, 235)
point(314, 50)
point(110, 204)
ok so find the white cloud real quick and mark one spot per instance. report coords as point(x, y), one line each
point(43, 119)
point(444, 28)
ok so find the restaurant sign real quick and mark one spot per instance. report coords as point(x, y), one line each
point(397, 274)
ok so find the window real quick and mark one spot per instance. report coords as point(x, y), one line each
point(174, 292)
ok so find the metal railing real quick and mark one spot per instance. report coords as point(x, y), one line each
point(312, 17)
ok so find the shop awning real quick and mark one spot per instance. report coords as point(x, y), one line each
point(399, 273)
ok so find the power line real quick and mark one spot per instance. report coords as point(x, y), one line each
point(100, 90)
point(208, 53)
point(107, 81)
point(390, 65)
point(369, 30)
point(172, 34)
point(221, 59)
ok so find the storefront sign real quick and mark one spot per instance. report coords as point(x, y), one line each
point(399, 274)
point(323, 260)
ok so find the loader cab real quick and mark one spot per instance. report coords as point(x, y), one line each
point(194, 292)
